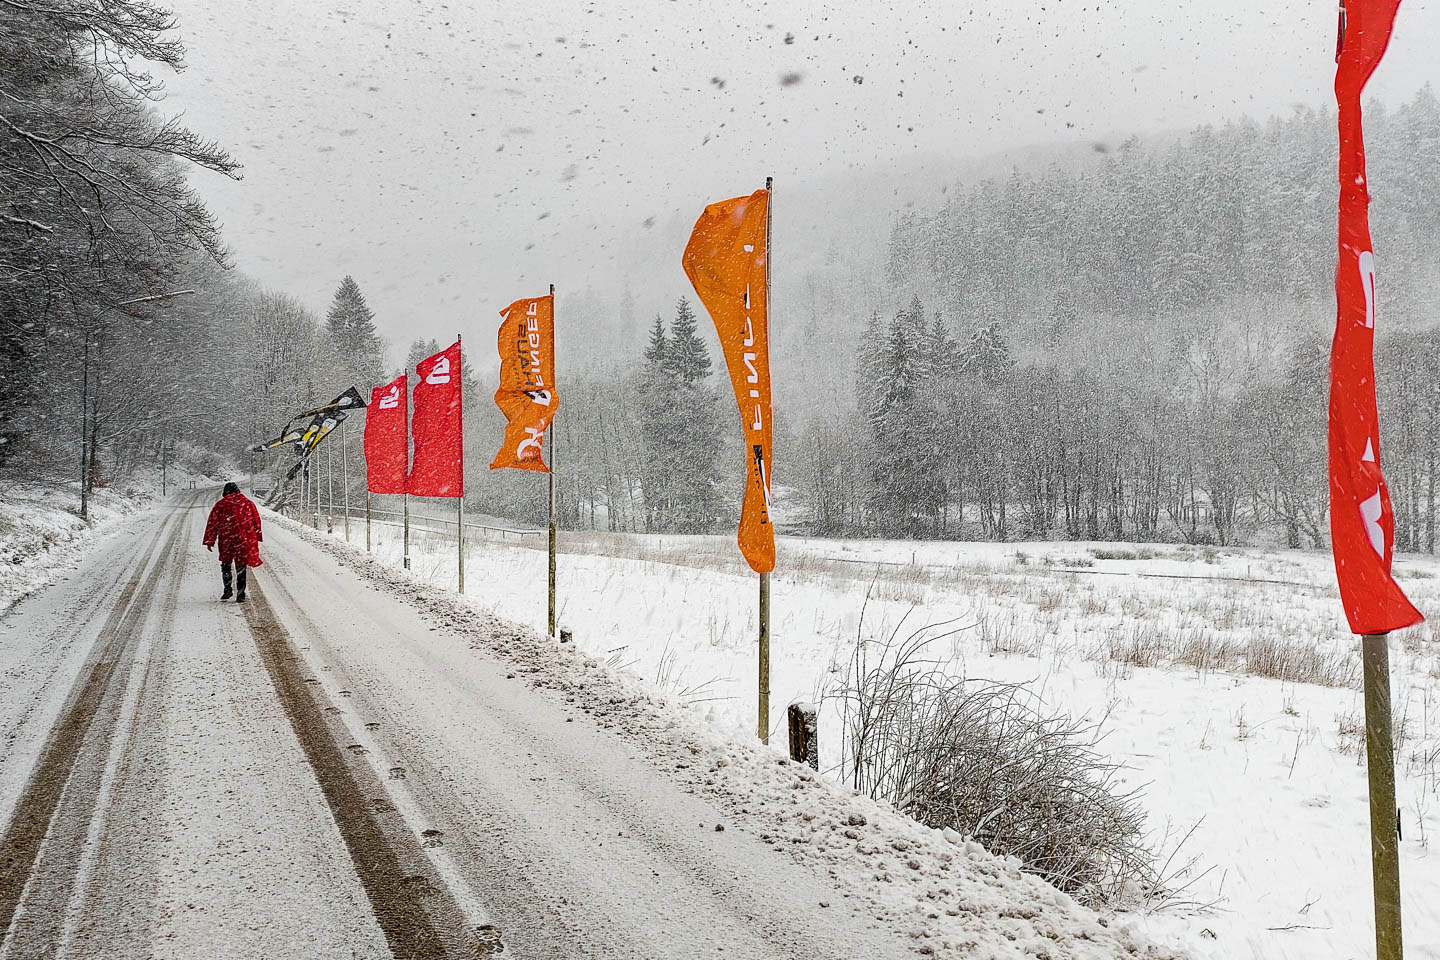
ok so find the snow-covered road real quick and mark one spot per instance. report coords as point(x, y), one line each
point(325, 772)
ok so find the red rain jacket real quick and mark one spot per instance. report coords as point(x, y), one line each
point(235, 522)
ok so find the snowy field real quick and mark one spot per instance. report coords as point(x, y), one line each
point(1223, 681)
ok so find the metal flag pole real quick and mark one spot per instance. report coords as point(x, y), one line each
point(330, 489)
point(345, 477)
point(763, 720)
point(407, 530)
point(1384, 816)
point(553, 436)
point(460, 500)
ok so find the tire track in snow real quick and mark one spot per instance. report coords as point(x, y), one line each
point(42, 849)
point(411, 903)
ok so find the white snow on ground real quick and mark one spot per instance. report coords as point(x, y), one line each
point(1154, 640)
point(42, 536)
point(946, 896)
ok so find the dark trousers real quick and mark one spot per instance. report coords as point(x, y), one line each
point(239, 578)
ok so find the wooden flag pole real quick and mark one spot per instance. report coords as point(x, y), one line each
point(551, 475)
point(763, 719)
point(460, 500)
point(1384, 817)
point(345, 477)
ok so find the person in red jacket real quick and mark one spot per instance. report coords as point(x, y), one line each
point(235, 524)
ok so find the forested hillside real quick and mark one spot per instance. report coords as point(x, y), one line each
point(1139, 350)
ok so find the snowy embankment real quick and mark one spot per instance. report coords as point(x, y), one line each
point(42, 535)
point(946, 896)
point(1224, 681)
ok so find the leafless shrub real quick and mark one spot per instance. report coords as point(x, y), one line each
point(1093, 604)
point(1001, 634)
point(1205, 651)
point(1295, 661)
point(1141, 645)
point(980, 758)
point(1350, 735)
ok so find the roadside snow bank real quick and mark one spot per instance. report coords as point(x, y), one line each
point(949, 897)
point(42, 535)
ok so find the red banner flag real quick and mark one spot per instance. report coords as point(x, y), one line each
point(1362, 524)
point(726, 262)
point(526, 394)
point(387, 439)
point(438, 469)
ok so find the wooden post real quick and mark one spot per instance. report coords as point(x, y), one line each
point(460, 500)
point(763, 721)
point(551, 476)
point(804, 738)
point(345, 477)
point(1380, 764)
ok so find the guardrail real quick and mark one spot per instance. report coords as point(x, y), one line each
point(418, 524)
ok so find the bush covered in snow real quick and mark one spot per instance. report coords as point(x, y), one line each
point(981, 758)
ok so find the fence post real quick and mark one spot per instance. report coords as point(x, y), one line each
point(804, 738)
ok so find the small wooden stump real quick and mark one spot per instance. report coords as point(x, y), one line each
point(804, 739)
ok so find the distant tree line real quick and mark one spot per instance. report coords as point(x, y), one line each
point(1142, 349)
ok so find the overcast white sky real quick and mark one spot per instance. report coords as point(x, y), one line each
point(453, 157)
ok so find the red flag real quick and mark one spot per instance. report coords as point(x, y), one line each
point(726, 262)
point(438, 467)
point(526, 394)
point(1362, 524)
point(387, 441)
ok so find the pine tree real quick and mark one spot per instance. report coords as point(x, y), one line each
point(869, 367)
point(350, 326)
point(987, 356)
point(627, 329)
point(680, 424)
point(657, 352)
point(907, 484)
point(688, 355)
point(942, 352)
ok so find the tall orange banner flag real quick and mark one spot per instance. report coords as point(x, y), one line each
point(726, 262)
point(527, 393)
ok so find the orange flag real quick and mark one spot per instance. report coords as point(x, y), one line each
point(726, 262)
point(526, 394)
